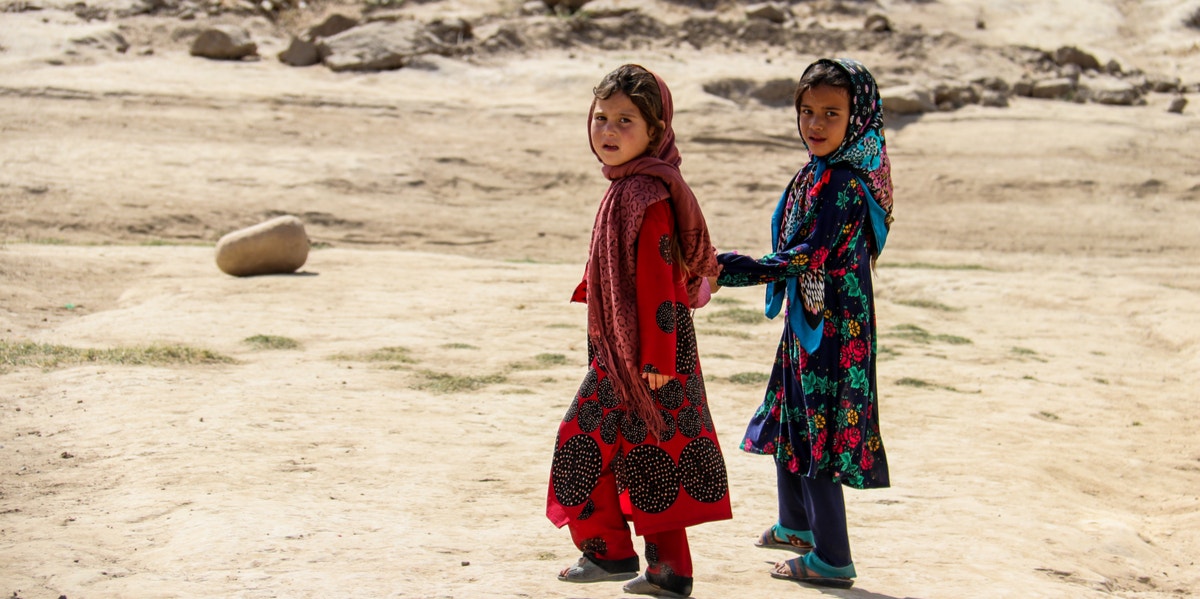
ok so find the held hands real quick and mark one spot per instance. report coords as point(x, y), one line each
point(713, 287)
point(656, 380)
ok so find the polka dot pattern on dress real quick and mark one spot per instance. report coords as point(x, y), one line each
point(590, 413)
point(685, 341)
point(575, 470)
point(589, 508)
point(607, 395)
point(651, 477)
point(664, 317)
point(610, 426)
point(689, 422)
point(588, 387)
point(668, 431)
point(664, 249)
point(702, 471)
point(670, 395)
point(633, 428)
point(695, 389)
point(571, 410)
point(595, 546)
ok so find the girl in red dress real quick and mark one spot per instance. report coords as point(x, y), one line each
point(637, 444)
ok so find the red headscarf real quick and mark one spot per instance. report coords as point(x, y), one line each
point(611, 290)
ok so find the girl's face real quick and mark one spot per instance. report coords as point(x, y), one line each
point(619, 131)
point(824, 117)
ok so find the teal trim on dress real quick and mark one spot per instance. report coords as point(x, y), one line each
point(878, 217)
point(816, 564)
point(783, 532)
point(809, 337)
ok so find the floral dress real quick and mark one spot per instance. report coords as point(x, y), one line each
point(820, 414)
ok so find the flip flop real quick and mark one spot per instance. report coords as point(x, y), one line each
point(643, 586)
point(793, 543)
point(807, 576)
point(586, 570)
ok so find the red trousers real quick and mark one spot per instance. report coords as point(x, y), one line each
point(605, 533)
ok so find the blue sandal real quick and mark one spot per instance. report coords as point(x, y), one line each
point(799, 572)
point(768, 540)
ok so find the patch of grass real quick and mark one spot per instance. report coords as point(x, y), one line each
point(44, 355)
point(931, 266)
point(562, 325)
point(725, 300)
point(928, 305)
point(550, 359)
point(953, 339)
point(912, 332)
point(272, 342)
point(440, 382)
point(727, 333)
point(737, 316)
point(1044, 415)
point(719, 356)
point(519, 391)
point(1025, 352)
point(749, 378)
point(539, 361)
point(394, 354)
point(458, 346)
point(923, 384)
point(1102, 381)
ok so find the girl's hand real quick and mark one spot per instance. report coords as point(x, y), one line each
point(713, 287)
point(655, 380)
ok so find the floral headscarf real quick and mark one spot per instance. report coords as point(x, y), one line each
point(863, 150)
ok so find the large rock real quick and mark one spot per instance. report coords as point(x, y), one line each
point(768, 11)
point(224, 42)
point(907, 99)
point(377, 46)
point(331, 26)
point(1107, 90)
point(1071, 55)
point(1059, 88)
point(565, 5)
point(300, 53)
point(277, 246)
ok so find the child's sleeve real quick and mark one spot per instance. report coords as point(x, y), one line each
point(839, 204)
point(656, 290)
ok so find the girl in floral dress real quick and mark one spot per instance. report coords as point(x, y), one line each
point(820, 417)
point(637, 444)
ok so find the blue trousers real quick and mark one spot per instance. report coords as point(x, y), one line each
point(817, 505)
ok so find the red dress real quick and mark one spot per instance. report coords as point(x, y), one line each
point(607, 468)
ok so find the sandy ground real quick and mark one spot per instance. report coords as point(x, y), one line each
point(1039, 302)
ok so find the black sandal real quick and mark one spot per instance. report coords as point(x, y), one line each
point(594, 569)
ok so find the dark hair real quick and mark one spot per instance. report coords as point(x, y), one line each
point(823, 73)
point(642, 88)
